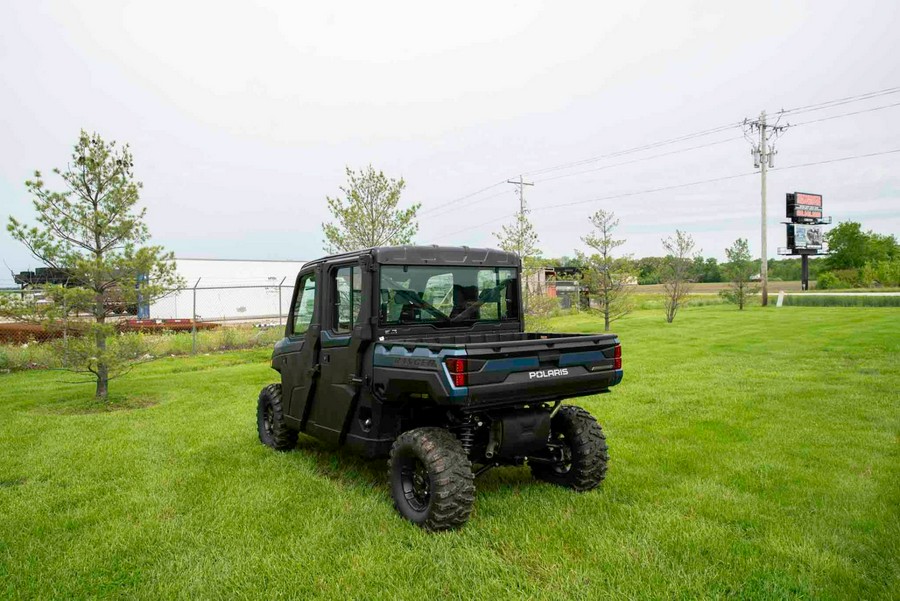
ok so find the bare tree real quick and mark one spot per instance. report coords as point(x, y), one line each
point(676, 271)
point(609, 279)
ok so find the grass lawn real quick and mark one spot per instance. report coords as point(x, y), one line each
point(754, 455)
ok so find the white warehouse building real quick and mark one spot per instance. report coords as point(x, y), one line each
point(229, 290)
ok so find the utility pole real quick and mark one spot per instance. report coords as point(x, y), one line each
point(764, 168)
point(763, 157)
point(520, 235)
point(521, 183)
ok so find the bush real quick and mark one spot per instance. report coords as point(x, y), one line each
point(881, 273)
point(838, 279)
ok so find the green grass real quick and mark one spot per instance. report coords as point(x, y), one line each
point(755, 454)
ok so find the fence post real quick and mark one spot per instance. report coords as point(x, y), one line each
point(280, 284)
point(194, 321)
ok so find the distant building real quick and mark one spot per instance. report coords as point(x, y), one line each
point(563, 283)
point(229, 290)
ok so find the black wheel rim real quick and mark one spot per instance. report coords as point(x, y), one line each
point(416, 483)
point(565, 465)
point(269, 420)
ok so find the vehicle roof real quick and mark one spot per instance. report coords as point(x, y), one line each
point(429, 255)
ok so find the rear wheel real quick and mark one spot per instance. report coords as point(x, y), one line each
point(431, 479)
point(273, 431)
point(578, 441)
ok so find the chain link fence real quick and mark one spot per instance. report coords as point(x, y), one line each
point(223, 304)
point(187, 320)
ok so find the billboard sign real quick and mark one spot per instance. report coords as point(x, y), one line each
point(805, 236)
point(803, 207)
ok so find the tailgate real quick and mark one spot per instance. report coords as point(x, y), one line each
point(542, 367)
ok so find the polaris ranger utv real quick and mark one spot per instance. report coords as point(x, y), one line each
point(418, 353)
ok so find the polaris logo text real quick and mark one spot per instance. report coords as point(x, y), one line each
point(548, 373)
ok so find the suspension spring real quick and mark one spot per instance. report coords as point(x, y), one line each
point(467, 436)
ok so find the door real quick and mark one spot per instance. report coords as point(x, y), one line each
point(339, 355)
point(298, 353)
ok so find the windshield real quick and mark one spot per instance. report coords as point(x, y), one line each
point(441, 295)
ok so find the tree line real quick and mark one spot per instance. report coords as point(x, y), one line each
point(93, 229)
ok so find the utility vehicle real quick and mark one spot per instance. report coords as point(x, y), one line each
point(419, 354)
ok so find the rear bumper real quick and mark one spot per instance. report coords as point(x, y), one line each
point(521, 388)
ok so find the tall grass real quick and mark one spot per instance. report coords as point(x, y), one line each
point(50, 354)
point(821, 300)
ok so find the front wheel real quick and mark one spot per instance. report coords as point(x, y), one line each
point(431, 479)
point(273, 431)
point(578, 440)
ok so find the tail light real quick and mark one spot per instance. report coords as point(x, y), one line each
point(617, 357)
point(457, 368)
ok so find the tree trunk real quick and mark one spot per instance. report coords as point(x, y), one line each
point(102, 367)
point(100, 343)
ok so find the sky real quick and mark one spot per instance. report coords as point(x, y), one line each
point(242, 116)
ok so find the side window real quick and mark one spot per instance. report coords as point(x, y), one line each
point(348, 297)
point(305, 304)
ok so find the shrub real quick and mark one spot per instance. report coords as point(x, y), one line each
point(839, 278)
point(881, 273)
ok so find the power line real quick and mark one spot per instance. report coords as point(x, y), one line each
point(655, 156)
point(712, 180)
point(838, 160)
point(840, 101)
point(626, 151)
point(457, 206)
point(646, 191)
point(650, 146)
point(877, 108)
point(451, 201)
point(475, 227)
point(673, 187)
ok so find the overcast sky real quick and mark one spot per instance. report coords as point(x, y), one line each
point(242, 116)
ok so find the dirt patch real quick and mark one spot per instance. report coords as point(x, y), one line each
point(10, 482)
point(82, 406)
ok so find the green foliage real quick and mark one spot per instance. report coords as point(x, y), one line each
point(739, 269)
point(541, 308)
point(839, 279)
point(749, 464)
point(610, 279)
point(94, 232)
point(882, 273)
point(706, 270)
point(851, 248)
point(649, 269)
point(790, 270)
point(368, 214)
point(676, 271)
point(521, 238)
